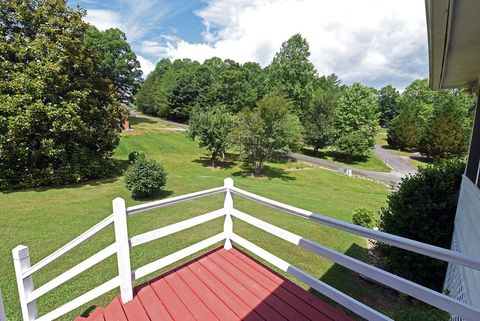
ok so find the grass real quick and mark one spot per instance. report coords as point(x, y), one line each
point(381, 137)
point(46, 218)
point(369, 162)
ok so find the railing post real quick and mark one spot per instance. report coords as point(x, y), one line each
point(228, 206)
point(123, 249)
point(3, 316)
point(21, 262)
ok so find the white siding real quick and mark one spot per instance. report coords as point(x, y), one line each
point(462, 282)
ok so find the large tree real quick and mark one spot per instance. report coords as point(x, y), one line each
point(356, 121)
point(212, 127)
point(319, 116)
point(447, 130)
point(118, 63)
point(388, 104)
point(59, 119)
point(292, 73)
point(267, 128)
point(404, 130)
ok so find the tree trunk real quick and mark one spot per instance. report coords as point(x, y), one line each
point(213, 160)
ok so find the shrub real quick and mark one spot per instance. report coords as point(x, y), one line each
point(134, 156)
point(363, 217)
point(145, 178)
point(423, 209)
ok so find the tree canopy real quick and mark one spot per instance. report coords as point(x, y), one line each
point(292, 73)
point(118, 63)
point(318, 119)
point(388, 104)
point(59, 118)
point(435, 122)
point(267, 128)
point(447, 130)
point(212, 127)
point(356, 121)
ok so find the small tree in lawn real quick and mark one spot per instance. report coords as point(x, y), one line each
point(267, 128)
point(356, 121)
point(212, 128)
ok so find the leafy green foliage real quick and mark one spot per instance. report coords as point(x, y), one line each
point(118, 63)
point(447, 131)
point(212, 127)
point(356, 121)
point(59, 120)
point(436, 121)
point(318, 118)
point(363, 217)
point(134, 156)
point(267, 128)
point(388, 104)
point(292, 73)
point(404, 130)
point(174, 90)
point(145, 178)
point(423, 209)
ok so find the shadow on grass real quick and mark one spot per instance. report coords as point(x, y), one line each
point(155, 197)
point(268, 172)
point(88, 311)
point(336, 156)
point(141, 120)
point(206, 161)
point(369, 292)
point(118, 167)
point(423, 159)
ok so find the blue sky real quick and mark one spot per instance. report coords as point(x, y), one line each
point(377, 42)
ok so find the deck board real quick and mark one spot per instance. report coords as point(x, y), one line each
point(220, 285)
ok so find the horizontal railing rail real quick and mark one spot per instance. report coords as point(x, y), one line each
point(173, 200)
point(24, 271)
point(327, 290)
point(397, 241)
point(393, 281)
point(69, 246)
point(174, 228)
point(123, 243)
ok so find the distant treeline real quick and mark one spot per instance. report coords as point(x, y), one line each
point(345, 118)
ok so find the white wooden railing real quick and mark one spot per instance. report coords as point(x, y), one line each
point(123, 243)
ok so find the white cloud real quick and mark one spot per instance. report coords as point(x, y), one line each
point(103, 19)
point(373, 41)
point(146, 65)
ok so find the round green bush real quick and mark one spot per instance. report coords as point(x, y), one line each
point(363, 217)
point(145, 178)
point(423, 209)
point(133, 156)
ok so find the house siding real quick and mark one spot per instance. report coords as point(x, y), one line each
point(463, 283)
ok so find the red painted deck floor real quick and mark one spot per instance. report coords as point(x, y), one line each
point(220, 285)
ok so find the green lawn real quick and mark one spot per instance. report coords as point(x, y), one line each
point(381, 137)
point(47, 218)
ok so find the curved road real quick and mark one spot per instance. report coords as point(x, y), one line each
point(400, 165)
